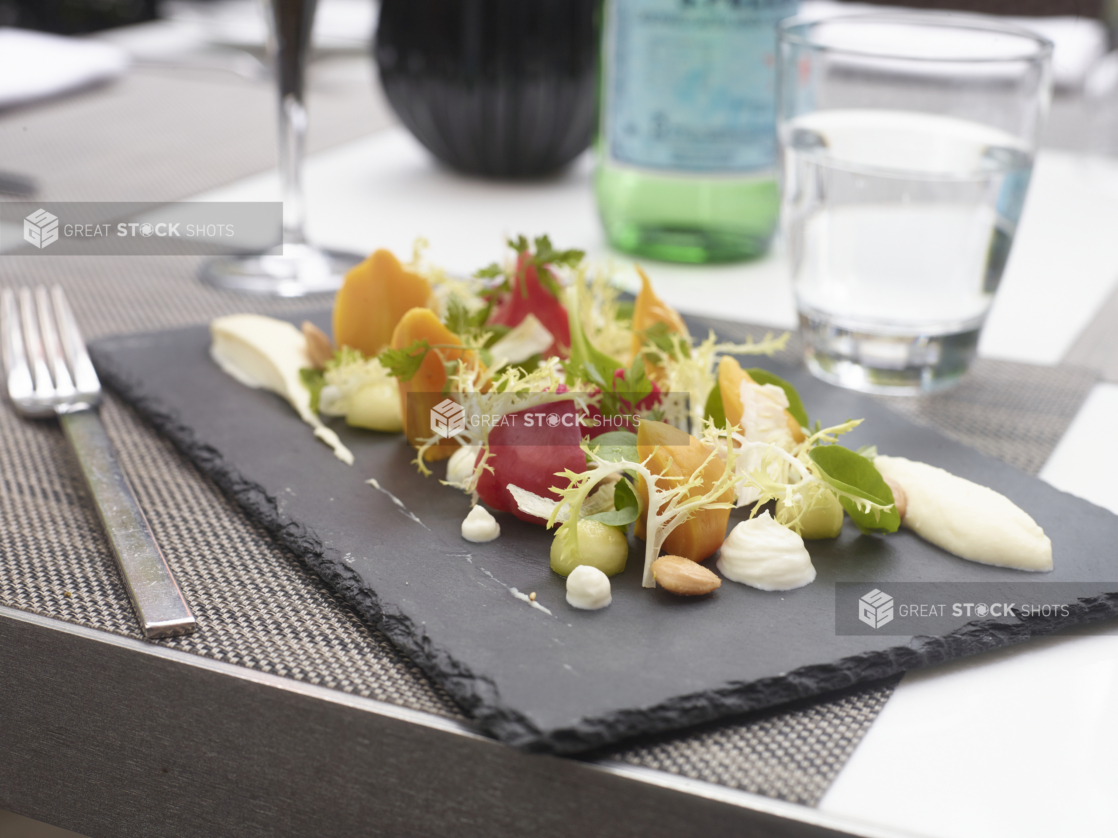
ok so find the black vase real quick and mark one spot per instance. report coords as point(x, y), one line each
point(502, 88)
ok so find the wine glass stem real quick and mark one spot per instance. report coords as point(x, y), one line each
point(290, 22)
point(293, 130)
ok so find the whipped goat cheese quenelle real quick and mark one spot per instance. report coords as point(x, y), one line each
point(762, 553)
point(964, 518)
point(480, 526)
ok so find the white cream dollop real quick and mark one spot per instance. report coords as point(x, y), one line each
point(762, 553)
point(479, 526)
point(588, 588)
point(460, 466)
point(964, 518)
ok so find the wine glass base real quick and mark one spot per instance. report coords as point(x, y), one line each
point(287, 271)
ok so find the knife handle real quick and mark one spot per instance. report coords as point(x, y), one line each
point(155, 595)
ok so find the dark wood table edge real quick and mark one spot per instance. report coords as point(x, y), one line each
point(114, 737)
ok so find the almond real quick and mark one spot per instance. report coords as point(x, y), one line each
point(683, 576)
point(319, 347)
point(899, 497)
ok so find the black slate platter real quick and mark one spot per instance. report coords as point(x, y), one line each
point(572, 680)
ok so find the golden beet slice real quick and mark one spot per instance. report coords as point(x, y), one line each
point(373, 298)
point(702, 534)
point(730, 378)
point(424, 390)
point(648, 310)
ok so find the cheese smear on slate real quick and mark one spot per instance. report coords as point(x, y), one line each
point(265, 353)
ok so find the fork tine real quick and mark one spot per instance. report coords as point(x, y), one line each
point(85, 377)
point(44, 388)
point(63, 385)
point(18, 373)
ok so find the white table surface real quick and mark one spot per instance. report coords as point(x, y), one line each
point(1012, 743)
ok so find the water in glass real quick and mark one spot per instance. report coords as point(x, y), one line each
point(899, 225)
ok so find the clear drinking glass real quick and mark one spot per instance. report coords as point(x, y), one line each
point(907, 143)
point(296, 267)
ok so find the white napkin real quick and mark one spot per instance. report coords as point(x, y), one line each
point(1078, 42)
point(338, 24)
point(34, 65)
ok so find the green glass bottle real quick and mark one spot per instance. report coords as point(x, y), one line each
point(685, 147)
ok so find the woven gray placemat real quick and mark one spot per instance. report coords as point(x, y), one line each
point(791, 753)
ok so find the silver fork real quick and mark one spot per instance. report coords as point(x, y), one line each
point(49, 374)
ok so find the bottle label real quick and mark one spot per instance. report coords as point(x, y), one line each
point(689, 84)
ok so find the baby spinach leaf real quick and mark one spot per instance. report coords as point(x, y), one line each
point(854, 474)
point(795, 403)
point(626, 507)
point(587, 363)
point(616, 446)
point(714, 409)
